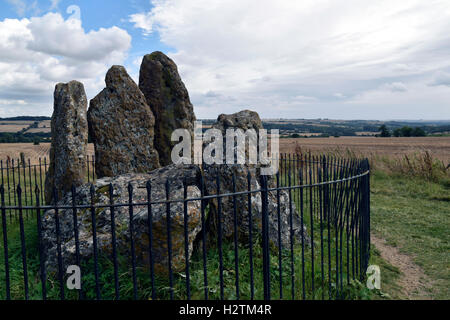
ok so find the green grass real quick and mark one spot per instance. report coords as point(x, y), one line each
point(413, 214)
point(352, 289)
point(16, 267)
point(410, 209)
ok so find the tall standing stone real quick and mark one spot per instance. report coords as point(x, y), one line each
point(121, 126)
point(69, 140)
point(169, 100)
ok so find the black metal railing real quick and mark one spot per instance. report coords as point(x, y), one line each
point(329, 196)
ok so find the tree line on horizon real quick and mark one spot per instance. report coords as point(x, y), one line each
point(292, 130)
point(405, 131)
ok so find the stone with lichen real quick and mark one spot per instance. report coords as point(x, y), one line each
point(121, 126)
point(246, 120)
point(69, 140)
point(169, 100)
point(175, 175)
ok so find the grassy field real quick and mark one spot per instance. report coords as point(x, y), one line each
point(410, 197)
point(410, 204)
point(319, 280)
point(413, 215)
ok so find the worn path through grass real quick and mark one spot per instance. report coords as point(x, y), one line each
point(412, 282)
point(410, 223)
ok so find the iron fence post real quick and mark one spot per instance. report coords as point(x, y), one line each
point(265, 237)
point(5, 244)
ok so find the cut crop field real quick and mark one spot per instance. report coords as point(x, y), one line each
point(12, 128)
point(42, 127)
point(32, 152)
point(439, 147)
point(11, 122)
point(39, 130)
point(45, 124)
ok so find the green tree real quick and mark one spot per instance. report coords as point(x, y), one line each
point(418, 132)
point(406, 131)
point(384, 131)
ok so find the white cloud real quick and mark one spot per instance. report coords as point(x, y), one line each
point(23, 7)
point(395, 87)
point(339, 95)
point(12, 102)
point(212, 94)
point(54, 4)
point(53, 35)
point(441, 79)
point(39, 52)
point(266, 53)
point(137, 62)
point(143, 21)
point(19, 5)
point(304, 99)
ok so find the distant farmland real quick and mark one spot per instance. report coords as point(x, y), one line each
point(439, 147)
point(32, 152)
point(42, 127)
point(22, 132)
point(12, 128)
point(38, 130)
point(25, 130)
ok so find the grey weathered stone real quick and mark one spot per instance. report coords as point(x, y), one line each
point(69, 140)
point(176, 176)
point(169, 100)
point(121, 126)
point(246, 120)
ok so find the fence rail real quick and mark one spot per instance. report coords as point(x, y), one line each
point(329, 196)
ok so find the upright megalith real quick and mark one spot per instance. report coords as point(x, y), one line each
point(146, 225)
point(169, 100)
point(247, 176)
point(121, 126)
point(69, 140)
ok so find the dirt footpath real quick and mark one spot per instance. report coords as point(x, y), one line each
point(414, 282)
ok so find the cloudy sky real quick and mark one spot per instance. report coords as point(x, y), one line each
point(341, 59)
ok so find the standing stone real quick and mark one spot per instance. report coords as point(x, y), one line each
point(176, 175)
point(121, 126)
point(246, 120)
point(169, 100)
point(69, 140)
